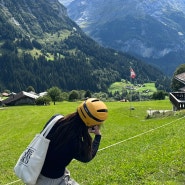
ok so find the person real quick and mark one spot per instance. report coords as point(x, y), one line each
point(71, 138)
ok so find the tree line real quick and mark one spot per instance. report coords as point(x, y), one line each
point(89, 67)
point(55, 94)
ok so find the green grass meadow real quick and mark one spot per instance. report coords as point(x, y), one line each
point(119, 86)
point(134, 150)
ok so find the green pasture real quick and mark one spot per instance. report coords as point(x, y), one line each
point(147, 86)
point(134, 150)
point(119, 86)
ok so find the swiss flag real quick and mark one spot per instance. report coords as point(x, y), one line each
point(132, 73)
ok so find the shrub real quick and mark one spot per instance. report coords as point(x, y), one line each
point(44, 100)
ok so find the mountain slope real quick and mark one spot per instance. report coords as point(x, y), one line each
point(150, 30)
point(40, 46)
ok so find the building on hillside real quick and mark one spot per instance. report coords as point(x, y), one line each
point(21, 98)
point(4, 94)
point(43, 94)
point(178, 98)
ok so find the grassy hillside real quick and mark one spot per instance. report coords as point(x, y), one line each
point(119, 86)
point(134, 150)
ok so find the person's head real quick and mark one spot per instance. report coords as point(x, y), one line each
point(92, 112)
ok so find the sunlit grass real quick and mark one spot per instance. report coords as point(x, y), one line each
point(134, 150)
point(120, 86)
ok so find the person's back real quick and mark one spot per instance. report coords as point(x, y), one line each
point(62, 150)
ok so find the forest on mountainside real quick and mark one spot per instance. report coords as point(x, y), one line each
point(41, 47)
point(88, 67)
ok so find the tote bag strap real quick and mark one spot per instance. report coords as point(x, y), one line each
point(50, 125)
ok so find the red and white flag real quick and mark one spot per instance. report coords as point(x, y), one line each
point(132, 73)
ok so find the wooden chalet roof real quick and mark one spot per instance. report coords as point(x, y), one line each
point(180, 77)
point(18, 96)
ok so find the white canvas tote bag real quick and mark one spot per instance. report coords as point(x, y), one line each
point(29, 164)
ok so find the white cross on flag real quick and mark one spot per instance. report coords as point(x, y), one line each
point(132, 73)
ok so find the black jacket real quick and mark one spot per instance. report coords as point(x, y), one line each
point(56, 161)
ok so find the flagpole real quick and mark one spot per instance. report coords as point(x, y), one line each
point(132, 76)
point(130, 94)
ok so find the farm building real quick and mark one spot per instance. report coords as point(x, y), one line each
point(21, 98)
point(178, 98)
